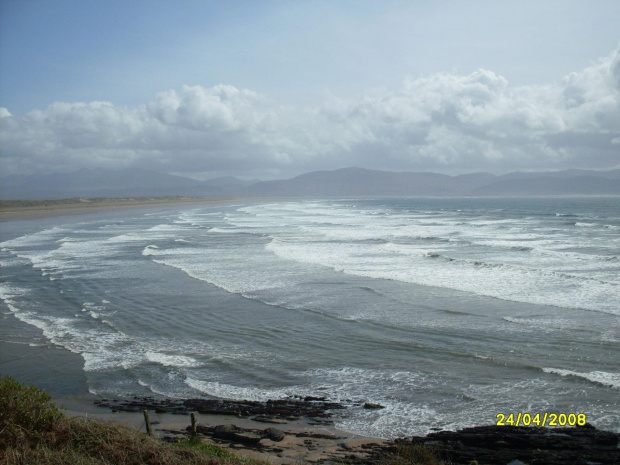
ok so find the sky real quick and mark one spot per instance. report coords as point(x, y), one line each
point(271, 89)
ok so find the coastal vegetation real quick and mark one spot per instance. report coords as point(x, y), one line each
point(33, 430)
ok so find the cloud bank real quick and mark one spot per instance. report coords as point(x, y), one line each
point(442, 122)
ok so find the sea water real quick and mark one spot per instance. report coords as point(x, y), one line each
point(445, 311)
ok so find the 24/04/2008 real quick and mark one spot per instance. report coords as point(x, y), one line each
point(546, 419)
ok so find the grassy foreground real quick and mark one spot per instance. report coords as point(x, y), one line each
point(33, 430)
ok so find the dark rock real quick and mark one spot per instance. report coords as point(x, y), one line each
point(250, 439)
point(321, 421)
point(225, 432)
point(274, 434)
point(281, 409)
point(235, 434)
point(266, 419)
point(531, 445)
point(369, 405)
point(372, 445)
point(174, 431)
point(304, 434)
point(202, 429)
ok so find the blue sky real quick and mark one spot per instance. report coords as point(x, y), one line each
point(309, 71)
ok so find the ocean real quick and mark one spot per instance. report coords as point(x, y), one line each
point(446, 311)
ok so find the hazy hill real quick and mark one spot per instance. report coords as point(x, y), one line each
point(228, 182)
point(548, 185)
point(564, 174)
point(355, 182)
point(364, 182)
point(336, 183)
point(112, 183)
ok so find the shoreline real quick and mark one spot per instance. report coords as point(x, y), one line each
point(135, 416)
point(275, 439)
point(37, 209)
point(299, 440)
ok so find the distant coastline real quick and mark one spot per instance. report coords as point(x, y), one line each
point(32, 209)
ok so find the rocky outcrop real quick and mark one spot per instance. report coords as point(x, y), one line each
point(523, 445)
point(371, 406)
point(234, 434)
point(274, 411)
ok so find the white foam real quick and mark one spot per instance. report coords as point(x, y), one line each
point(10, 260)
point(34, 239)
point(599, 377)
point(171, 360)
point(66, 239)
point(227, 391)
point(8, 293)
point(167, 228)
point(224, 230)
point(611, 335)
point(148, 250)
point(529, 271)
point(236, 270)
point(389, 388)
point(168, 393)
point(544, 324)
point(101, 347)
point(508, 282)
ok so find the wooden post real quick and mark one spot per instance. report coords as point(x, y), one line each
point(148, 423)
point(193, 434)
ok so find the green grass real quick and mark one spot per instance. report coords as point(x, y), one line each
point(34, 431)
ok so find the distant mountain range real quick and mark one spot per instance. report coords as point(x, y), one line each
point(336, 183)
point(114, 183)
point(363, 182)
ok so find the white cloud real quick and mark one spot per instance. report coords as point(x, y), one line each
point(445, 122)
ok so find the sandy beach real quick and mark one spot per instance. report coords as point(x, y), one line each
point(25, 210)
